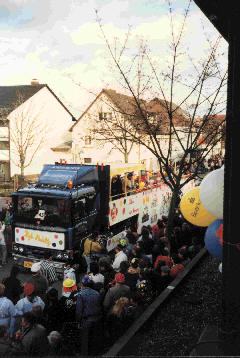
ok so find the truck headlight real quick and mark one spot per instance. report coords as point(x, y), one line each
point(21, 249)
point(59, 256)
point(65, 256)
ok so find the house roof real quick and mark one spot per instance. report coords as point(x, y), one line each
point(9, 96)
point(127, 105)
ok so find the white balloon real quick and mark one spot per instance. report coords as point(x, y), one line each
point(211, 192)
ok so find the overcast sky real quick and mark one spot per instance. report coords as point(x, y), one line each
point(59, 42)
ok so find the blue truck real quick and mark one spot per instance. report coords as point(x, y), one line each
point(66, 205)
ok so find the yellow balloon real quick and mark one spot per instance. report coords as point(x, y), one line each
point(193, 210)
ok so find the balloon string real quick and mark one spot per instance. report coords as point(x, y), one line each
point(237, 245)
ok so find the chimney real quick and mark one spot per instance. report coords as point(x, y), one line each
point(34, 82)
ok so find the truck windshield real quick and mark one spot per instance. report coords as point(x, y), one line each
point(43, 211)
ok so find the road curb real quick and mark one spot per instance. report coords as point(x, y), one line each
point(121, 343)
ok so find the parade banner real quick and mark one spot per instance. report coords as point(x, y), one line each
point(149, 205)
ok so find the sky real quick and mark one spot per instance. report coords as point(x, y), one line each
point(59, 42)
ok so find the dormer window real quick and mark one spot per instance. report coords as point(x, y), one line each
point(105, 116)
point(87, 140)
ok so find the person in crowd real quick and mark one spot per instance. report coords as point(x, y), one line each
point(47, 269)
point(8, 232)
point(79, 264)
point(5, 345)
point(177, 266)
point(183, 255)
point(120, 317)
point(53, 310)
point(116, 187)
point(89, 315)
point(96, 277)
point(57, 345)
point(32, 338)
point(124, 266)
point(13, 286)
point(186, 235)
point(69, 271)
point(165, 277)
point(38, 313)
point(164, 257)
point(133, 230)
point(68, 300)
point(7, 311)
point(194, 248)
point(88, 308)
point(175, 240)
point(158, 230)
point(144, 290)
point(39, 281)
point(158, 249)
point(131, 241)
point(155, 277)
point(92, 249)
point(115, 292)
point(146, 244)
point(31, 299)
point(108, 272)
point(3, 247)
point(119, 257)
point(132, 275)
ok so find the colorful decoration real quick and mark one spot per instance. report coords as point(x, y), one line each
point(214, 238)
point(193, 210)
point(211, 192)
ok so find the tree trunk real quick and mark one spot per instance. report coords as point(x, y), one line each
point(126, 157)
point(22, 169)
point(171, 212)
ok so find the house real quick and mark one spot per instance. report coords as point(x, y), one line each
point(89, 144)
point(39, 115)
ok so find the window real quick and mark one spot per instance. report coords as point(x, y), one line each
point(105, 116)
point(87, 160)
point(87, 140)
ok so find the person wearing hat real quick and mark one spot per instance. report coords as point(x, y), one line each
point(119, 257)
point(68, 300)
point(39, 281)
point(7, 311)
point(31, 299)
point(89, 315)
point(115, 292)
point(88, 309)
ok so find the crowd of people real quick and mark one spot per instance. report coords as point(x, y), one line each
point(102, 293)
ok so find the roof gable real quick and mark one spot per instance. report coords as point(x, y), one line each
point(127, 106)
point(10, 94)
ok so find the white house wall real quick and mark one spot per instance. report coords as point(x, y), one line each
point(106, 153)
point(57, 120)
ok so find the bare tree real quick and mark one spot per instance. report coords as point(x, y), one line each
point(27, 133)
point(189, 125)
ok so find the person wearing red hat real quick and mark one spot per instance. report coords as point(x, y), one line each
point(115, 292)
point(31, 299)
